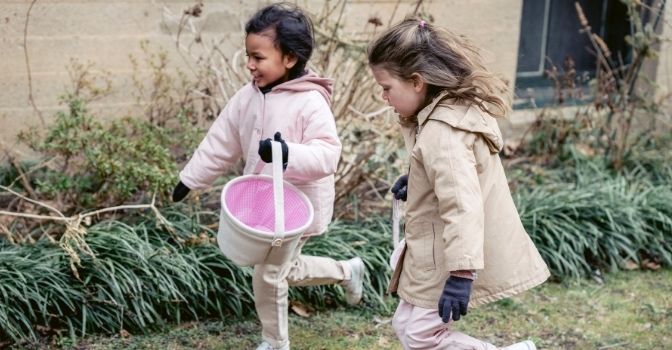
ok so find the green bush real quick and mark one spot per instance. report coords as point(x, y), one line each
point(104, 164)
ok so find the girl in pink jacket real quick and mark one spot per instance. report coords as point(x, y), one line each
point(292, 105)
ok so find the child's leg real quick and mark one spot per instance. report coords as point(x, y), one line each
point(316, 270)
point(270, 288)
point(419, 328)
point(270, 285)
point(400, 320)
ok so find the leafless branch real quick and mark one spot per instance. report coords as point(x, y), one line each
point(27, 59)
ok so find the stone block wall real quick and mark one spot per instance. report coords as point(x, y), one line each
point(106, 33)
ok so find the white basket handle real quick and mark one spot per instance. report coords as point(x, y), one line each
point(396, 214)
point(278, 195)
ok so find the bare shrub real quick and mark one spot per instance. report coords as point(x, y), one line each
point(625, 118)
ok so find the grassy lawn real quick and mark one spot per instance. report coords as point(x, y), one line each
point(631, 310)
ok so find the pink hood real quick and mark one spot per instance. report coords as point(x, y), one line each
point(308, 82)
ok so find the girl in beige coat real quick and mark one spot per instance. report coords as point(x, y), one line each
point(465, 244)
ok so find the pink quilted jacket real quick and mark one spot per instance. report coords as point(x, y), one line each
point(300, 110)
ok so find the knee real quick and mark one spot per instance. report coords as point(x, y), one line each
point(418, 339)
point(264, 275)
point(259, 272)
point(409, 338)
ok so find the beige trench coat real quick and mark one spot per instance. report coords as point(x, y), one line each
point(459, 212)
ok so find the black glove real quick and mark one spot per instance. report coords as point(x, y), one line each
point(180, 192)
point(455, 298)
point(266, 153)
point(400, 188)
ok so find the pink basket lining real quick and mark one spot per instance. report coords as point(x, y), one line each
point(251, 202)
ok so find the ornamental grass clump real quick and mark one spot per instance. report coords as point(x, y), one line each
point(601, 221)
point(141, 276)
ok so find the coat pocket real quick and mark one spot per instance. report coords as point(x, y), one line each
point(420, 240)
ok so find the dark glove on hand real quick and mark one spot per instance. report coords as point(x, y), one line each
point(266, 153)
point(455, 298)
point(180, 192)
point(400, 188)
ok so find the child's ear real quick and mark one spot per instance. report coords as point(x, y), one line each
point(289, 60)
point(418, 82)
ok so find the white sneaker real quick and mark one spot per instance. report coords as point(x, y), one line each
point(355, 285)
point(266, 346)
point(526, 345)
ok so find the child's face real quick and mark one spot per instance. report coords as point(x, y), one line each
point(265, 60)
point(406, 96)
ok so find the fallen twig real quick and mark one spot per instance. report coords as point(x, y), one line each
point(611, 346)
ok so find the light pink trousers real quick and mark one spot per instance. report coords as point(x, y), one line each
point(418, 328)
point(270, 284)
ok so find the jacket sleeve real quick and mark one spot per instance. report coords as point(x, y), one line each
point(318, 153)
point(450, 165)
point(219, 150)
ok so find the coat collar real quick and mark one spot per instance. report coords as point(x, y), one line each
point(468, 118)
point(425, 112)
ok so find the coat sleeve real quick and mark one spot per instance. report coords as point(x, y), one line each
point(318, 153)
point(450, 165)
point(219, 150)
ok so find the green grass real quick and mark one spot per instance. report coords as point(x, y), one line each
point(631, 310)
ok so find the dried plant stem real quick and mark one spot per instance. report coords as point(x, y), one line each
point(27, 59)
point(22, 175)
point(60, 215)
point(72, 241)
point(335, 38)
point(369, 115)
point(417, 6)
point(394, 12)
point(8, 234)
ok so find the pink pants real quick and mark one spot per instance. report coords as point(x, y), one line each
point(419, 328)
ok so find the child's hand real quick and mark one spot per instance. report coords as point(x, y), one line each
point(400, 188)
point(455, 298)
point(180, 192)
point(266, 153)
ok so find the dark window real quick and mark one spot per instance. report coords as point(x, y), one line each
point(550, 36)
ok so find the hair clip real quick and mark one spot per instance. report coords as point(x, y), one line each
point(422, 24)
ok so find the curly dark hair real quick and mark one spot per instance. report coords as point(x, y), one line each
point(293, 32)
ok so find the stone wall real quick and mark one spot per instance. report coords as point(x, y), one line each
point(106, 33)
point(664, 67)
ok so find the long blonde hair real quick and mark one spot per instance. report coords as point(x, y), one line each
point(447, 62)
